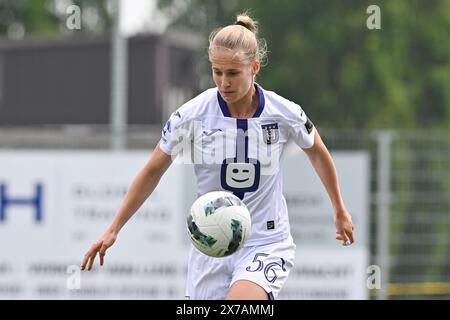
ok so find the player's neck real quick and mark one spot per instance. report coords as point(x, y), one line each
point(246, 107)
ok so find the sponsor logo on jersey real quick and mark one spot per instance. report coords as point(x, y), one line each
point(270, 225)
point(211, 132)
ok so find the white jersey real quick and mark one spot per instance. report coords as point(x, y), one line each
point(241, 156)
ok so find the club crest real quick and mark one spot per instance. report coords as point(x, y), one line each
point(270, 133)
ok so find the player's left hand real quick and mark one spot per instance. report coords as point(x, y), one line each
point(344, 227)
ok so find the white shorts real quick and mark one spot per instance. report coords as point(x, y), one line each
point(266, 265)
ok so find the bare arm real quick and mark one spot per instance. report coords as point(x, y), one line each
point(323, 164)
point(140, 189)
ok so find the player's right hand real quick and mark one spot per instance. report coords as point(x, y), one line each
point(100, 247)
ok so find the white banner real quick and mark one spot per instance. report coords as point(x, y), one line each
point(55, 204)
point(43, 233)
point(324, 269)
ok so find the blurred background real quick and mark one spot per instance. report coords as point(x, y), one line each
point(100, 78)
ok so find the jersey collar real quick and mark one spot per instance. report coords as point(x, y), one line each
point(224, 107)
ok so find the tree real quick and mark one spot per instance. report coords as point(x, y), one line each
point(322, 55)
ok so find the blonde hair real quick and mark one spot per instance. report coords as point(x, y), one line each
point(241, 36)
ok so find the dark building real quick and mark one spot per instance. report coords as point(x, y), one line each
point(67, 80)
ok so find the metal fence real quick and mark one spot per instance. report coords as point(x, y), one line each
point(410, 195)
point(410, 208)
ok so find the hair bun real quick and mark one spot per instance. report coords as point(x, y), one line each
point(247, 22)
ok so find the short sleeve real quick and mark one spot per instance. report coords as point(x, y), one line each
point(302, 129)
point(175, 134)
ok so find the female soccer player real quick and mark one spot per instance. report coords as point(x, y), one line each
point(264, 122)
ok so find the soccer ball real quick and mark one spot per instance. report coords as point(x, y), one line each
point(218, 224)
